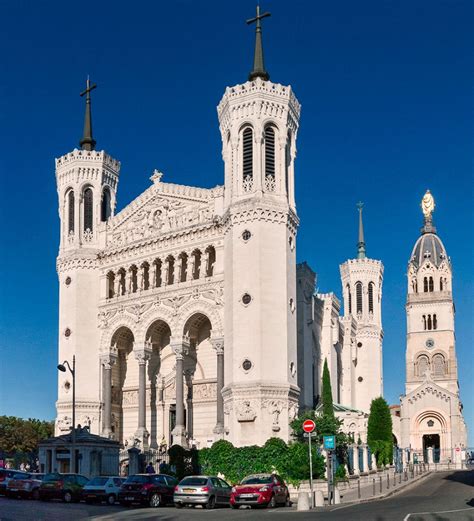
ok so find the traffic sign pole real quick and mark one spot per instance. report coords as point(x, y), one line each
point(311, 471)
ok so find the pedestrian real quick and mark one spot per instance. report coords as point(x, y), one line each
point(150, 469)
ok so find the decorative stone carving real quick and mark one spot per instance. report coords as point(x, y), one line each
point(130, 397)
point(245, 412)
point(64, 423)
point(204, 391)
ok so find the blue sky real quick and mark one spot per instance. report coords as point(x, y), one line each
point(386, 94)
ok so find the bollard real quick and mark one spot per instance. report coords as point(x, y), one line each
point(399, 478)
point(373, 483)
point(337, 496)
point(358, 488)
point(380, 477)
point(406, 475)
point(303, 501)
point(319, 498)
point(388, 480)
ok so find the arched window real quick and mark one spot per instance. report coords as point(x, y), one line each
point(439, 365)
point(88, 209)
point(269, 158)
point(359, 297)
point(424, 322)
point(425, 284)
point(429, 323)
point(435, 322)
point(431, 284)
point(349, 298)
point(287, 164)
point(70, 212)
point(105, 206)
point(170, 279)
point(110, 284)
point(156, 280)
point(133, 279)
point(247, 157)
point(422, 365)
point(371, 297)
point(122, 282)
point(211, 260)
point(145, 282)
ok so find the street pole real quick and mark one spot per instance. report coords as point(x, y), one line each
point(73, 444)
point(311, 471)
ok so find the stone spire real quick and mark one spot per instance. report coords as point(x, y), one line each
point(361, 242)
point(87, 142)
point(258, 63)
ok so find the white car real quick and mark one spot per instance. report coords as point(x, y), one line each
point(102, 488)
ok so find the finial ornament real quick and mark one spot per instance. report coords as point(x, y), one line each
point(258, 63)
point(428, 207)
point(88, 142)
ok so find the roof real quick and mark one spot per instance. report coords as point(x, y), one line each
point(428, 247)
point(338, 408)
point(83, 436)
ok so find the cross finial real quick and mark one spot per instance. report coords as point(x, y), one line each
point(258, 63)
point(361, 242)
point(87, 142)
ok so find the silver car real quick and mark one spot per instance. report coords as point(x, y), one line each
point(208, 491)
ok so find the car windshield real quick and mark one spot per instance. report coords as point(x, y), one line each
point(257, 480)
point(52, 477)
point(138, 479)
point(196, 482)
point(98, 481)
point(20, 475)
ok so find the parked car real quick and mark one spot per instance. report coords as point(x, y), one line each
point(6, 475)
point(260, 490)
point(208, 491)
point(150, 489)
point(26, 486)
point(102, 488)
point(67, 487)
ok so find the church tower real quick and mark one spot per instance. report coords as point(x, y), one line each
point(431, 412)
point(362, 289)
point(259, 123)
point(87, 183)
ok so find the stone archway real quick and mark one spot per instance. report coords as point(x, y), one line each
point(431, 430)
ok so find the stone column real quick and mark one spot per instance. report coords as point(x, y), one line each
point(355, 459)
point(107, 360)
point(164, 272)
point(191, 265)
point(218, 345)
point(179, 432)
point(141, 278)
point(178, 269)
point(142, 354)
point(365, 458)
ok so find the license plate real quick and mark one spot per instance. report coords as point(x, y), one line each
point(129, 498)
point(246, 495)
point(189, 490)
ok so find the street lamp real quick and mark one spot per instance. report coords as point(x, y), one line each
point(62, 368)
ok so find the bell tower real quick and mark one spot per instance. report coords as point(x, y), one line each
point(362, 289)
point(86, 183)
point(259, 122)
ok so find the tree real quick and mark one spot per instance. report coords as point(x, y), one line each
point(328, 407)
point(19, 435)
point(379, 431)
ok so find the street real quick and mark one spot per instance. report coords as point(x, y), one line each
point(443, 496)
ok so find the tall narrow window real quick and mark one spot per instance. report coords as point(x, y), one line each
point(439, 365)
point(359, 297)
point(425, 284)
point(441, 284)
point(247, 158)
point(371, 297)
point(424, 322)
point(105, 206)
point(349, 298)
point(435, 322)
point(287, 164)
point(429, 323)
point(431, 284)
point(70, 212)
point(270, 159)
point(110, 284)
point(88, 201)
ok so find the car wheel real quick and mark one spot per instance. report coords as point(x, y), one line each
point(211, 503)
point(178, 505)
point(287, 502)
point(234, 506)
point(272, 503)
point(155, 500)
point(111, 499)
point(67, 497)
point(35, 494)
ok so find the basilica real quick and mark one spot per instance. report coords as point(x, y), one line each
point(189, 318)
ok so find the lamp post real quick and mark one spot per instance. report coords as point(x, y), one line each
point(62, 368)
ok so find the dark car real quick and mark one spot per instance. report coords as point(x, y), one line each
point(266, 490)
point(208, 491)
point(6, 475)
point(153, 490)
point(26, 486)
point(67, 487)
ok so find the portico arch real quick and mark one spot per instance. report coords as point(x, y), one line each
point(430, 429)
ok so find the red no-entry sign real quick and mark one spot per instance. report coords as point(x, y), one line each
point(309, 426)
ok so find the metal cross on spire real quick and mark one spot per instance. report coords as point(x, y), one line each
point(361, 242)
point(258, 63)
point(87, 142)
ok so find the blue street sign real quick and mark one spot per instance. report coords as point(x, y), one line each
point(329, 442)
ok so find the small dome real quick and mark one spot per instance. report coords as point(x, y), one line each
point(428, 246)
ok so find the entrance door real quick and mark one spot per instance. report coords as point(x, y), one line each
point(431, 440)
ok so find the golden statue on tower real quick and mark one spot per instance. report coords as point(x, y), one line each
point(427, 205)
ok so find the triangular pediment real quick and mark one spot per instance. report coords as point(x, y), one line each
point(162, 209)
point(429, 388)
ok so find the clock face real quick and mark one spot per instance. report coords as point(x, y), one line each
point(430, 343)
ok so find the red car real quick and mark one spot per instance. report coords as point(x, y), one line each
point(26, 486)
point(265, 490)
